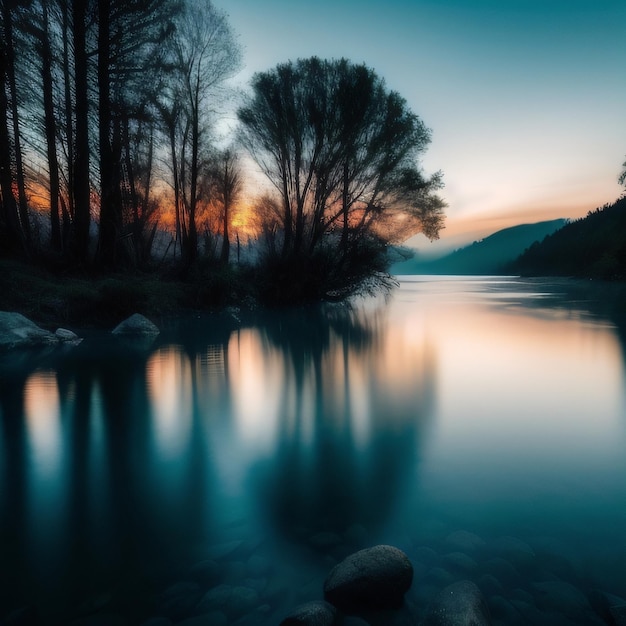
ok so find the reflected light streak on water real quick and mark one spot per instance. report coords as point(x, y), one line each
point(41, 401)
point(169, 382)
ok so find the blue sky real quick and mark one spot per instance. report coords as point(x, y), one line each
point(526, 99)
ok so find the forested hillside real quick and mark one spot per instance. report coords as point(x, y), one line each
point(490, 255)
point(591, 247)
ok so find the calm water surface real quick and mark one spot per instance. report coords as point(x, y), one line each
point(258, 454)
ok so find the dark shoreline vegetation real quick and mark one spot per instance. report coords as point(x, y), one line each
point(53, 297)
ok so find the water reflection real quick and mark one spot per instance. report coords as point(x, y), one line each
point(170, 389)
point(344, 440)
point(41, 400)
point(488, 401)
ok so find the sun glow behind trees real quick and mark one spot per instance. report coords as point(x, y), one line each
point(109, 120)
point(93, 149)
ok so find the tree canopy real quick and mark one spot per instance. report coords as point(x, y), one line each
point(342, 152)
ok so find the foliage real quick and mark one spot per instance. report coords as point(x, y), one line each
point(591, 247)
point(340, 149)
point(108, 111)
point(300, 279)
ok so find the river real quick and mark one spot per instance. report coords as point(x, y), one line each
point(479, 424)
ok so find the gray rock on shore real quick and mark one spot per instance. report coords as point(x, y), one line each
point(136, 325)
point(374, 578)
point(18, 331)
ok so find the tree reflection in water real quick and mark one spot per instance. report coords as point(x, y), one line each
point(346, 441)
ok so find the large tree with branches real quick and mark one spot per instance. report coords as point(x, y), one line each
point(342, 152)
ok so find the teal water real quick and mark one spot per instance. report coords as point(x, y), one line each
point(136, 480)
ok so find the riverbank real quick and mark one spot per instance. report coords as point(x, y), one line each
point(53, 296)
point(80, 301)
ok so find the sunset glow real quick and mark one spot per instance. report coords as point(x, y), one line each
point(527, 122)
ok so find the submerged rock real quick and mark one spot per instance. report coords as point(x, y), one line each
point(459, 604)
point(67, 336)
point(316, 613)
point(612, 608)
point(18, 331)
point(374, 578)
point(233, 600)
point(464, 541)
point(559, 596)
point(136, 324)
point(514, 550)
point(618, 613)
point(214, 618)
point(457, 561)
point(25, 616)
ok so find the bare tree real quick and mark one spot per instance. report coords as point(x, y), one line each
point(130, 37)
point(37, 26)
point(227, 185)
point(205, 54)
point(10, 9)
point(81, 190)
point(11, 235)
point(16, 224)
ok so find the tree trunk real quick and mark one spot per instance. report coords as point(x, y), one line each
point(106, 241)
point(17, 142)
point(81, 190)
point(137, 226)
point(192, 248)
point(68, 208)
point(287, 212)
point(50, 131)
point(226, 240)
point(11, 236)
point(344, 209)
point(172, 134)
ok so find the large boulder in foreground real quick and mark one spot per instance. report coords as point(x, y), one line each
point(18, 331)
point(375, 578)
point(459, 604)
point(136, 325)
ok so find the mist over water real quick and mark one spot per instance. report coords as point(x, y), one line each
point(493, 405)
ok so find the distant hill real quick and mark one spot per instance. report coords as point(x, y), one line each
point(590, 247)
point(491, 255)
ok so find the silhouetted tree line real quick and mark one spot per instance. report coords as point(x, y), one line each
point(590, 247)
point(107, 117)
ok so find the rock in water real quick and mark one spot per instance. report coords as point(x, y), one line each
point(562, 597)
point(316, 613)
point(67, 336)
point(18, 331)
point(459, 604)
point(374, 578)
point(618, 613)
point(136, 324)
